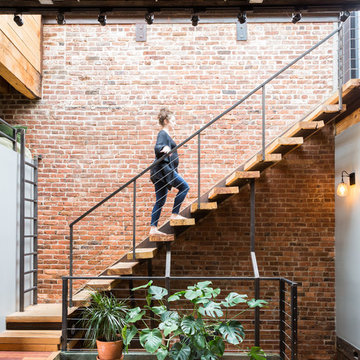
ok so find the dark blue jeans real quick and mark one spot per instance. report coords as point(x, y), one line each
point(161, 194)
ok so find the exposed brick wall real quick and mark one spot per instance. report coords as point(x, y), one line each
point(96, 123)
point(295, 232)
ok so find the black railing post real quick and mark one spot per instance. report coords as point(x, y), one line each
point(282, 318)
point(168, 270)
point(263, 122)
point(35, 224)
point(340, 62)
point(293, 322)
point(199, 171)
point(71, 263)
point(134, 221)
point(64, 314)
point(257, 312)
point(22, 220)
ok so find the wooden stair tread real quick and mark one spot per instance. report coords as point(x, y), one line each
point(282, 145)
point(101, 284)
point(304, 128)
point(161, 238)
point(239, 178)
point(122, 268)
point(219, 193)
point(208, 206)
point(30, 337)
point(182, 222)
point(39, 313)
point(83, 297)
point(143, 253)
point(257, 163)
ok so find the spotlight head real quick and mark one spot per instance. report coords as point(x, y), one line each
point(344, 15)
point(60, 18)
point(149, 17)
point(102, 18)
point(195, 20)
point(18, 20)
point(296, 17)
point(242, 17)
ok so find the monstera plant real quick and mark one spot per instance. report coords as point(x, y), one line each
point(199, 330)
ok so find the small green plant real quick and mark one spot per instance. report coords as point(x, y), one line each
point(104, 319)
point(197, 333)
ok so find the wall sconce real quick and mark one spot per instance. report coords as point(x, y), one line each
point(343, 189)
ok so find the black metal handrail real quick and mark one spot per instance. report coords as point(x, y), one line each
point(285, 306)
point(198, 132)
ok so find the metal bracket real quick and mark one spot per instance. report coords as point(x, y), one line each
point(140, 32)
point(241, 31)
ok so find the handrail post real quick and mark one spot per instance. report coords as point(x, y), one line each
point(257, 313)
point(35, 225)
point(263, 122)
point(199, 171)
point(340, 63)
point(282, 319)
point(71, 264)
point(134, 221)
point(22, 220)
point(64, 314)
point(293, 322)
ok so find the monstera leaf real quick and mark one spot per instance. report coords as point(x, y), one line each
point(217, 346)
point(150, 339)
point(135, 315)
point(254, 303)
point(128, 334)
point(256, 353)
point(233, 299)
point(157, 292)
point(190, 326)
point(211, 309)
point(161, 354)
point(232, 331)
point(180, 352)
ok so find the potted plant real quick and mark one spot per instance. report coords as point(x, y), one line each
point(104, 320)
point(199, 330)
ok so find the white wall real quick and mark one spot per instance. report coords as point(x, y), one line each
point(9, 232)
point(347, 235)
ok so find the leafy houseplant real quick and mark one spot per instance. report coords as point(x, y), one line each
point(104, 320)
point(197, 333)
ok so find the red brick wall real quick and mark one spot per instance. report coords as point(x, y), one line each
point(96, 124)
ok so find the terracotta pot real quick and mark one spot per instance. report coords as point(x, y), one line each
point(109, 350)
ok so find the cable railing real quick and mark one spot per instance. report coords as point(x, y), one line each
point(197, 134)
point(273, 328)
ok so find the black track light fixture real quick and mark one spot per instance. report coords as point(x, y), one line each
point(60, 18)
point(344, 15)
point(102, 18)
point(195, 20)
point(296, 17)
point(149, 17)
point(242, 17)
point(18, 20)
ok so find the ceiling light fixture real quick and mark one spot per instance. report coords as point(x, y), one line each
point(60, 18)
point(344, 15)
point(149, 17)
point(242, 17)
point(102, 18)
point(18, 20)
point(296, 17)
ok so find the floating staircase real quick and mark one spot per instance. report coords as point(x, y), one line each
point(291, 139)
point(251, 170)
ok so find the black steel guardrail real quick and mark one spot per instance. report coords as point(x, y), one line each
point(198, 133)
point(274, 328)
